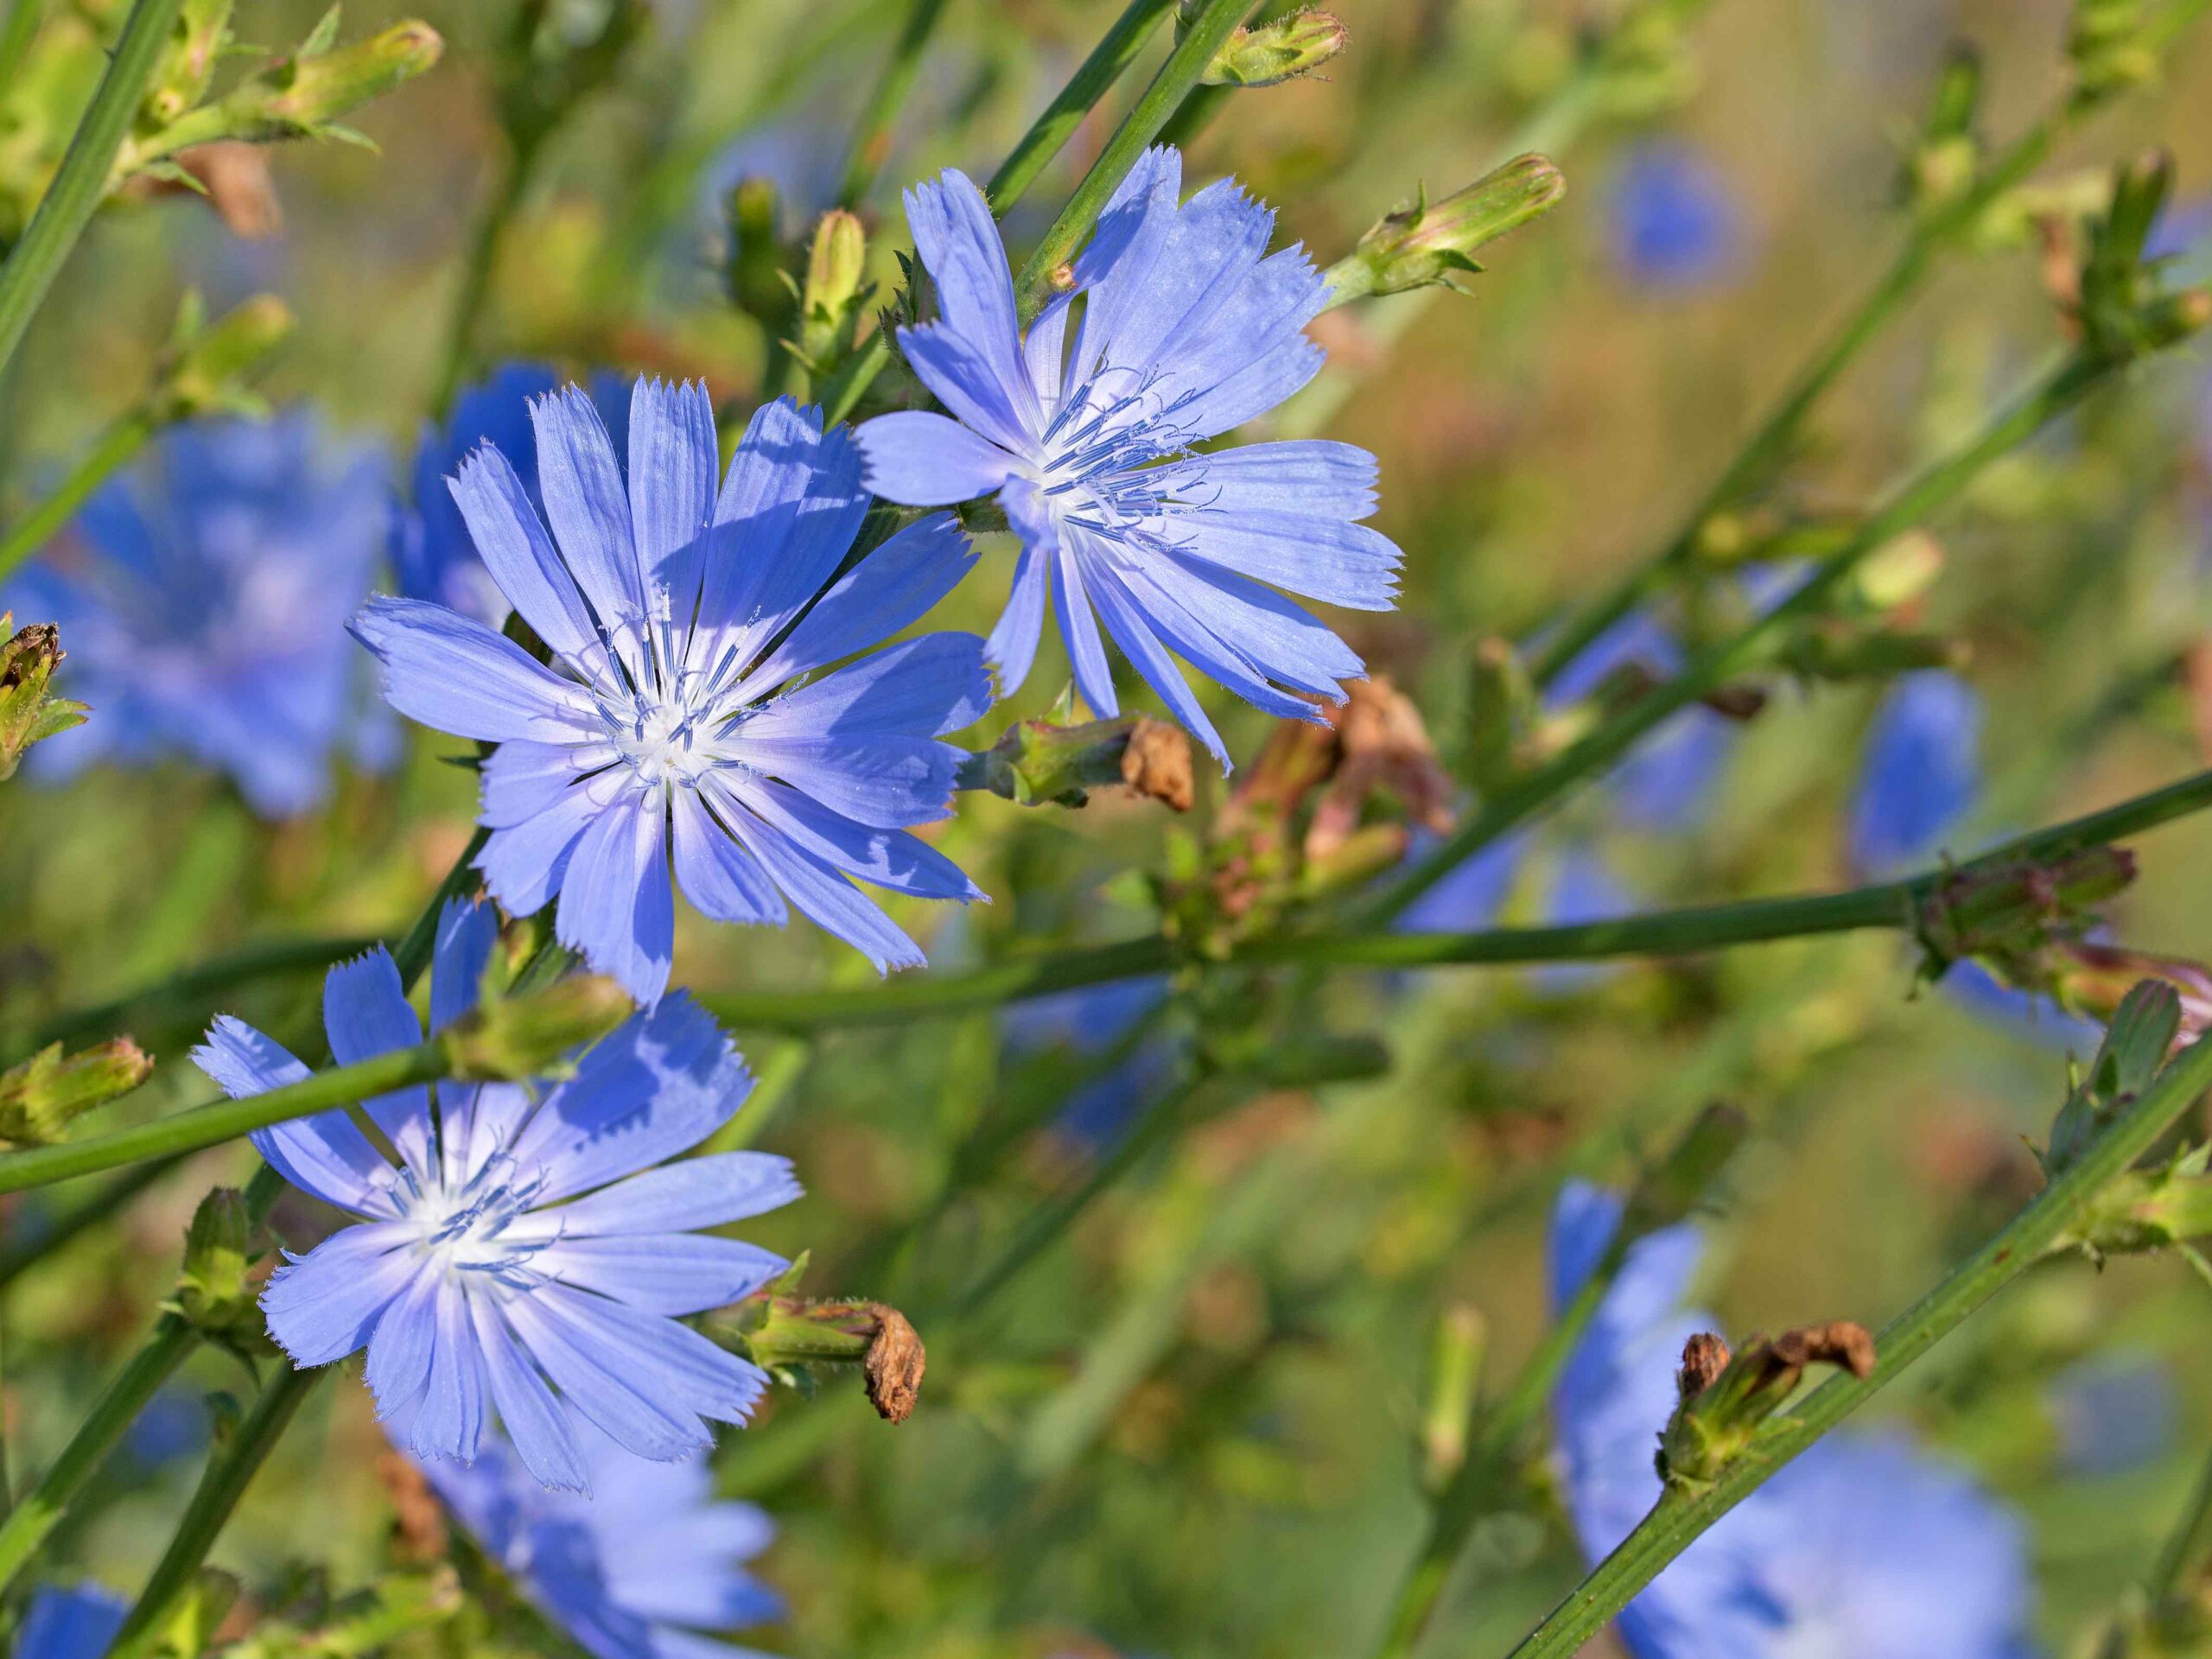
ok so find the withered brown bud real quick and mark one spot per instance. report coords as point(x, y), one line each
point(1382, 744)
point(1705, 1356)
point(894, 1365)
point(1157, 763)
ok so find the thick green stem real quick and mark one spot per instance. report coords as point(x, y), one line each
point(1666, 933)
point(18, 34)
point(1107, 61)
point(1682, 1516)
point(1177, 80)
point(2054, 391)
point(1769, 448)
point(2188, 1543)
point(79, 186)
point(871, 138)
point(226, 1120)
point(115, 449)
point(42, 1506)
point(220, 1489)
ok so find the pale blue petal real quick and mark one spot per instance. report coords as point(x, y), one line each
point(522, 781)
point(927, 461)
point(1126, 622)
point(926, 686)
point(1012, 648)
point(1272, 638)
point(324, 1155)
point(1215, 241)
point(400, 1347)
point(1228, 333)
point(595, 1377)
point(963, 380)
point(1116, 270)
point(658, 1085)
point(1313, 477)
point(892, 783)
point(616, 905)
point(886, 591)
point(958, 241)
point(455, 675)
point(466, 932)
point(663, 1273)
point(1093, 678)
point(827, 898)
point(889, 858)
point(448, 1422)
point(522, 561)
point(365, 1011)
point(322, 1305)
point(706, 1191)
point(1253, 391)
point(671, 1365)
point(533, 1419)
point(581, 481)
point(723, 881)
point(524, 864)
point(1321, 558)
point(674, 471)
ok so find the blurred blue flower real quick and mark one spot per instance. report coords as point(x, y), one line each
point(1920, 773)
point(472, 1279)
point(1675, 223)
point(634, 1570)
point(432, 556)
point(1086, 1022)
point(1973, 987)
point(680, 621)
point(79, 1623)
point(1666, 783)
point(2113, 1413)
point(1188, 329)
point(1864, 1548)
point(173, 1425)
point(199, 599)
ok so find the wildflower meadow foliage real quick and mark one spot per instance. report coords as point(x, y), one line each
point(1567, 723)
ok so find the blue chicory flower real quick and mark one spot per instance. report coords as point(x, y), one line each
point(76, 1624)
point(1674, 224)
point(2113, 1413)
point(432, 556)
point(681, 623)
point(504, 1257)
point(1920, 773)
point(1091, 1021)
point(1795, 1571)
point(633, 1571)
point(199, 597)
point(1188, 328)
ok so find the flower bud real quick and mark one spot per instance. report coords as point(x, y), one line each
point(830, 302)
point(1265, 54)
point(754, 274)
point(1037, 762)
point(536, 1034)
point(28, 715)
point(1724, 1399)
point(2007, 913)
point(1945, 161)
point(2112, 46)
point(212, 1291)
point(2135, 1047)
point(206, 364)
point(40, 1096)
point(783, 1331)
point(196, 40)
point(302, 96)
point(1424, 245)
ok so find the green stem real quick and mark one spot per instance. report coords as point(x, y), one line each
point(1681, 1517)
point(412, 954)
point(226, 1120)
point(17, 36)
point(2052, 393)
point(2191, 1538)
point(1768, 450)
point(218, 1494)
point(1177, 80)
point(1107, 63)
point(1666, 933)
point(81, 183)
point(43, 1505)
point(871, 139)
point(117, 446)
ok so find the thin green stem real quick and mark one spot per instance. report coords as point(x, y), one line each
point(121, 440)
point(81, 184)
point(871, 138)
point(1177, 80)
point(217, 1495)
point(224, 1120)
point(1769, 448)
point(1092, 79)
point(412, 954)
point(1666, 933)
point(2053, 393)
point(1681, 1517)
point(17, 36)
point(2190, 1540)
point(31, 1521)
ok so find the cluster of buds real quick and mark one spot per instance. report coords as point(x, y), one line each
point(1947, 154)
point(1325, 805)
point(208, 368)
point(27, 712)
point(2135, 1047)
point(534, 1035)
point(2119, 306)
point(1269, 52)
point(1723, 1398)
point(2015, 915)
point(830, 302)
point(1422, 244)
point(1036, 762)
point(781, 1331)
point(39, 1097)
point(215, 1290)
point(2115, 45)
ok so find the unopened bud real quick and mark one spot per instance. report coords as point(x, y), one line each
point(1725, 1398)
point(781, 1331)
point(757, 284)
point(212, 1291)
point(829, 304)
point(38, 1097)
point(2135, 1047)
point(1426, 243)
point(1265, 54)
point(302, 96)
point(536, 1034)
point(2112, 47)
point(1037, 763)
point(2145, 1211)
point(1944, 163)
point(2008, 912)
point(196, 40)
point(28, 715)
